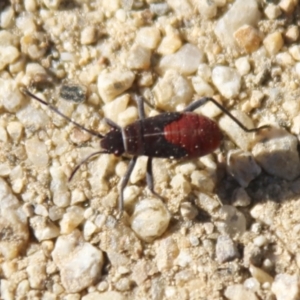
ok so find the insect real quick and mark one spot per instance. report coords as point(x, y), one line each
point(167, 135)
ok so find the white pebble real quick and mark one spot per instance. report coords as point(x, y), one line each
point(88, 35)
point(170, 43)
point(138, 58)
point(113, 109)
point(79, 262)
point(8, 54)
point(272, 11)
point(294, 50)
point(238, 291)
point(180, 185)
point(206, 202)
point(201, 87)
point(148, 37)
point(181, 7)
point(71, 219)
point(171, 90)
point(7, 16)
point(203, 180)
point(11, 97)
point(286, 287)
point(273, 42)
point(235, 18)
point(188, 210)
point(242, 65)
point(150, 219)
point(227, 80)
point(242, 167)
point(114, 83)
point(277, 154)
point(43, 228)
point(226, 249)
point(30, 5)
point(37, 152)
point(207, 9)
point(186, 60)
point(15, 129)
point(52, 4)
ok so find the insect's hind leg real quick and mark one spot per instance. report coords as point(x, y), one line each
point(141, 109)
point(194, 105)
point(150, 180)
point(125, 181)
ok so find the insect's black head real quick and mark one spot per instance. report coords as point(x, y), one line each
point(112, 142)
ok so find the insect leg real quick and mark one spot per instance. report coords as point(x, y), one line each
point(125, 180)
point(149, 179)
point(140, 103)
point(204, 100)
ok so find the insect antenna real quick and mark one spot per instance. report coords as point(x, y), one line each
point(92, 132)
point(83, 162)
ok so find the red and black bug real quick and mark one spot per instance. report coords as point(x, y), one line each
point(167, 135)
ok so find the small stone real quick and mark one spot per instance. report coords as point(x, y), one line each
point(8, 54)
point(242, 139)
point(202, 88)
point(240, 198)
point(260, 241)
point(207, 9)
point(206, 202)
point(234, 221)
point(73, 92)
point(272, 11)
point(284, 59)
point(185, 60)
point(7, 16)
point(43, 228)
point(242, 65)
point(292, 34)
point(30, 5)
point(170, 43)
point(15, 129)
point(150, 219)
point(171, 90)
point(79, 262)
point(203, 180)
point(226, 249)
point(111, 295)
point(288, 6)
point(128, 116)
point(52, 4)
point(238, 291)
point(71, 219)
point(235, 18)
point(227, 80)
point(294, 50)
point(180, 185)
point(139, 58)
point(277, 154)
point(11, 97)
point(248, 38)
point(188, 210)
point(256, 98)
point(159, 9)
point(283, 283)
point(113, 109)
point(114, 83)
point(14, 229)
point(182, 8)
point(242, 167)
point(37, 275)
point(88, 35)
point(148, 37)
point(123, 284)
point(37, 152)
point(260, 275)
point(273, 42)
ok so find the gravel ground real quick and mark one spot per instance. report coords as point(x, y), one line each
point(229, 224)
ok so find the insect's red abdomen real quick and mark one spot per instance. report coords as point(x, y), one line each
point(197, 134)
